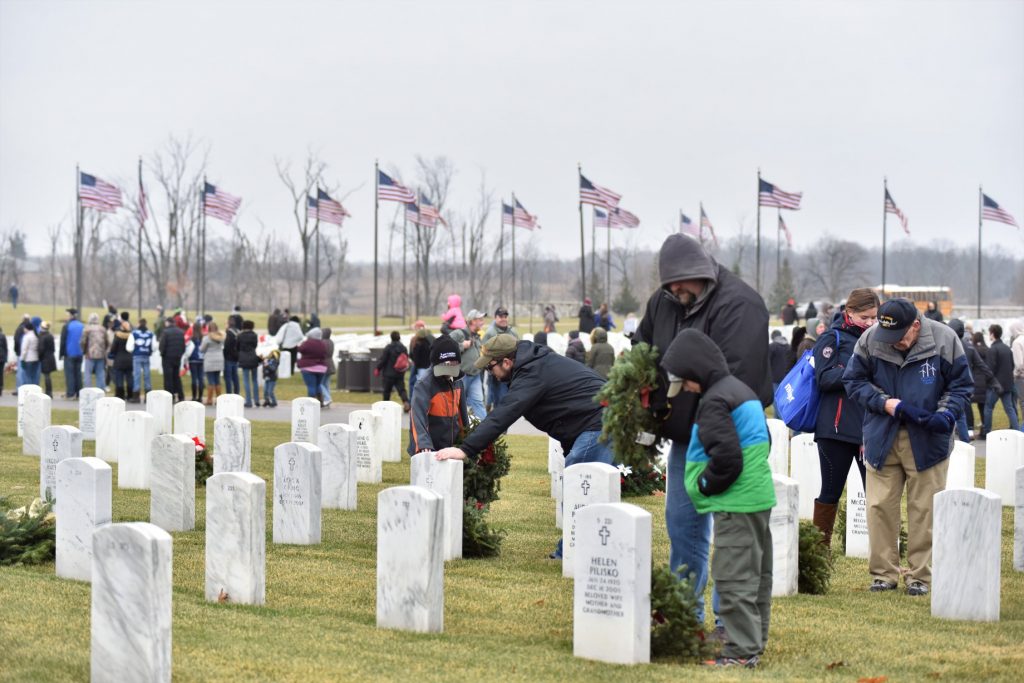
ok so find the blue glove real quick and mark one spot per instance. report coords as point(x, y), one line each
point(941, 422)
point(908, 412)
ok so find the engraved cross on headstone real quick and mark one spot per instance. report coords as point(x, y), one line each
point(604, 533)
point(585, 486)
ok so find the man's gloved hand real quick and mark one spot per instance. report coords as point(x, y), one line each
point(908, 412)
point(941, 422)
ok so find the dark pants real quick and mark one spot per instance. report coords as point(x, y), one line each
point(742, 570)
point(834, 458)
point(231, 377)
point(172, 380)
point(49, 384)
point(122, 383)
point(72, 375)
point(195, 369)
point(396, 382)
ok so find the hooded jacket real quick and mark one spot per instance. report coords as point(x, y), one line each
point(248, 340)
point(290, 335)
point(71, 339)
point(727, 458)
point(576, 351)
point(779, 357)
point(386, 364)
point(980, 370)
point(728, 310)
point(555, 395)
point(212, 348)
point(47, 352)
point(438, 413)
point(119, 349)
point(453, 316)
point(602, 355)
point(1000, 361)
point(172, 345)
point(839, 418)
point(94, 339)
point(933, 376)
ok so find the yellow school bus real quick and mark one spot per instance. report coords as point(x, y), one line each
point(942, 296)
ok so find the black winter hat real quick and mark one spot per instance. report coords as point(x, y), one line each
point(444, 351)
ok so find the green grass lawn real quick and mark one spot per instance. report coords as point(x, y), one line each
point(507, 618)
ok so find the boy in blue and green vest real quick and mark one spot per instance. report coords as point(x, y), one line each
point(727, 473)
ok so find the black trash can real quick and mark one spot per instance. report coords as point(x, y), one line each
point(341, 363)
point(376, 381)
point(357, 377)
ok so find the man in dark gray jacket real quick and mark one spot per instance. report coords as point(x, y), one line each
point(698, 293)
point(1000, 360)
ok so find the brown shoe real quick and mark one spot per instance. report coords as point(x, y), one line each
point(405, 406)
point(825, 520)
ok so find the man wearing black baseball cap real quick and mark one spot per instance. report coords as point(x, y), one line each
point(439, 404)
point(911, 376)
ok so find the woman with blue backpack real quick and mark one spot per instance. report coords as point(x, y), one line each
point(839, 430)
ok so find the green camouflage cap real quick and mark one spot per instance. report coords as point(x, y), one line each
point(501, 346)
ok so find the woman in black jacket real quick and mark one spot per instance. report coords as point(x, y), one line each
point(839, 429)
point(47, 355)
point(982, 382)
point(249, 361)
point(123, 365)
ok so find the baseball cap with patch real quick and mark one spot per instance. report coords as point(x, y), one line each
point(894, 317)
point(500, 346)
point(445, 357)
point(475, 315)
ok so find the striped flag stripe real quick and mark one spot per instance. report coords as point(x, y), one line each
point(592, 193)
point(220, 204)
point(992, 211)
point(523, 218)
point(769, 195)
point(785, 231)
point(687, 227)
point(391, 190)
point(98, 194)
point(890, 207)
point(705, 222)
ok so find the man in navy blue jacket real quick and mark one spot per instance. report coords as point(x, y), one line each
point(910, 375)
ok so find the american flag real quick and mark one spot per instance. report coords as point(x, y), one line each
point(143, 211)
point(991, 211)
point(785, 231)
point(390, 190)
point(326, 209)
point(705, 223)
point(591, 193)
point(412, 213)
point(429, 215)
point(890, 207)
point(523, 218)
point(687, 227)
point(506, 214)
point(620, 218)
point(98, 194)
point(220, 204)
point(769, 195)
point(600, 219)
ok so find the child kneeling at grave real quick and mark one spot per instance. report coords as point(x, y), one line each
point(727, 473)
point(439, 402)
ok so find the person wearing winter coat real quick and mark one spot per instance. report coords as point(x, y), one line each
point(473, 378)
point(28, 355)
point(289, 337)
point(1017, 351)
point(1000, 360)
point(194, 352)
point(982, 381)
point(602, 356)
point(122, 359)
point(212, 349)
point(172, 348)
point(3, 359)
point(981, 373)
point(839, 431)
point(394, 378)
point(313, 362)
point(270, 365)
point(496, 390)
point(439, 405)
point(231, 354)
point(910, 376)
point(575, 350)
point(779, 357)
point(419, 354)
point(586, 317)
point(452, 319)
point(604, 319)
point(142, 348)
point(727, 475)
point(70, 351)
point(325, 383)
point(249, 361)
point(788, 313)
point(550, 318)
point(47, 356)
point(94, 347)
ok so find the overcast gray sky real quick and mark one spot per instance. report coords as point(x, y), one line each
point(666, 103)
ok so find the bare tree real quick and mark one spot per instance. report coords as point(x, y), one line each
point(838, 265)
point(478, 250)
point(436, 178)
point(300, 188)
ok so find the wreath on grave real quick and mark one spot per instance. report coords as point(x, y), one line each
point(675, 630)
point(629, 423)
point(815, 561)
point(481, 482)
point(204, 462)
point(637, 482)
point(27, 534)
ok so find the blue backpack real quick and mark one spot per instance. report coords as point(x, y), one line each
point(797, 398)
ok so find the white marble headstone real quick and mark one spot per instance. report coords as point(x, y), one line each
point(35, 417)
point(785, 527)
point(284, 368)
point(967, 524)
point(230, 405)
point(556, 466)
point(389, 430)
point(23, 391)
point(190, 419)
point(298, 476)
point(368, 464)
point(1004, 453)
point(232, 445)
point(160, 404)
point(172, 503)
point(84, 495)
point(444, 478)
point(108, 411)
point(87, 399)
point(305, 419)
point(338, 449)
point(236, 538)
point(856, 515)
point(410, 560)
point(586, 483)
point(1018, 522)
point(131, 603)
point(806, 469)
point(960, 474)
point(612, 588)
point(778, 456)
point(57, 443)
point(135, 432)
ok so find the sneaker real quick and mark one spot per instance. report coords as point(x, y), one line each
point(917, 588)
point(718, 635)
point(723, 662)
point(555, 555)
point(880, 585)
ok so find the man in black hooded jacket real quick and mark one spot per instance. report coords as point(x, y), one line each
point(698, 293)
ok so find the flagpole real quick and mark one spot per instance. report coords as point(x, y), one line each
point(405, 256)
point(757, 278)
point(778, 242)
point(608, 264)
point(593, 249)
point(980, 202)
point(202, 254)
point(376, 209)
point(513, 259)
point(316, 264)
point(501, 251)
point(79, 239)
point(885, 193)
point(141, 200)
point(583, 247)
point(700, 223)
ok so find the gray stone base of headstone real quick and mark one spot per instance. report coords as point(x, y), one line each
point(131, 603)
point(967, 526)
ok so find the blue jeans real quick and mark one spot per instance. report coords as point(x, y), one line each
point(30, 372)
point(689, 531)
point(97, 367)
point(72, 375)
point(252, 387)
point(495, 391)
point(1006, 398)
point(312, 380)
point(231, 377)
point(325, 389)
point(586, 448)
point(195, 370)
point(268, 391)
point(140, 374)
point(475, 394)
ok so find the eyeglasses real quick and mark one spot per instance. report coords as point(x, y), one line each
point(490, 366)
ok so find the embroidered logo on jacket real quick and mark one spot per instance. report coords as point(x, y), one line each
point(928, 372)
